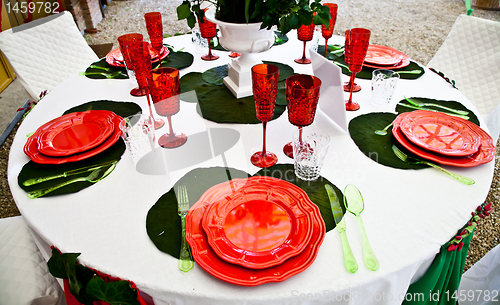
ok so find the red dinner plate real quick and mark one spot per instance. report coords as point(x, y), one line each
point(236, 274)
point(75, 132)
point(440, 133)
point(260, 225)
point(115, 57)
point(485, 154)
point(382, 57)
point(31, 148)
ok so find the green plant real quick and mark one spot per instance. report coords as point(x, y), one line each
point(285, 14)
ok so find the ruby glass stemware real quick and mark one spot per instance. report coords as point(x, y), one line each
point(328, 32)
point(359, 39)
point(123, 41)
point(349, 85)
point(265, 79)
point(140, 59)
point(305, 33)
point(302, 95)
point(154, 26)
point(208, 30)
point(165, 89)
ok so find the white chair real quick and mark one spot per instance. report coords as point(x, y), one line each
point(24, 276)
point(482, 279)
point(46, 51)
point(470, 55)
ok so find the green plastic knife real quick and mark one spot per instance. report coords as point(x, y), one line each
point(77, 171)
point(349, 260)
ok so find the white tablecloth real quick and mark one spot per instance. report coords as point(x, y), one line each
point(408, 214)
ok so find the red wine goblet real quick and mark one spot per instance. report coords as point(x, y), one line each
point(154, 26)
point(265, 79)
point(165, 89)
point(302, 95)
point(347, 57)
point(140, 59)
point(208, 30)
point(359, 39)
point(123, 41)
point(305, 33)
point(328, 32)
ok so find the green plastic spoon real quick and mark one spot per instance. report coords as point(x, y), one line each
point(354, 203)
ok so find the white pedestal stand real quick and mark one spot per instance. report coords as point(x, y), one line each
point(246, 39)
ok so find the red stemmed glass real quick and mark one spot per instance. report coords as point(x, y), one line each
point(123, 41)
point(154, 26)
point(265, 79)
point(305, 33)
point(208, 30)
point(328, 32)
point(359, 39)
point(140, 59)
point(302, 95)
point(347, 49)
point(165, 89)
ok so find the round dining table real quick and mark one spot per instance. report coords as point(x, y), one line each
point(408, 214)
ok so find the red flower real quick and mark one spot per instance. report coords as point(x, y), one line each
point(452, 247)
point(460, 245)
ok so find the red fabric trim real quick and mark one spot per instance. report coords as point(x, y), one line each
point(60, 6)
point(30, 13)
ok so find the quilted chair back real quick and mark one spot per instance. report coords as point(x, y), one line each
point(24, 275)
point(470, 55)
point(46, 51)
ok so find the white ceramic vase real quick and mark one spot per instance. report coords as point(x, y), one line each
point(246, 39)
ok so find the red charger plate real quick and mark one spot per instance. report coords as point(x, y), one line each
point(382, 57)
point(440, 133)
point(75, 132)
point(31, 148)
point(485, 154)
point(115, 57)
point(260, 225)
point(235, 274)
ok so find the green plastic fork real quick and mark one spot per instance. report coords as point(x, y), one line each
point(422, 104)
point(411, 160)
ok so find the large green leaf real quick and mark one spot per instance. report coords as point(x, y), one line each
point(163, 225)
point(376, 147)
point(451, 104)
point(366, 72)
point(177, 60)
point(122, 109)
point(194, 81)
point(315, 189)
point(221, 106)
point(215, 75)
point(107, 69)
point(115, 293)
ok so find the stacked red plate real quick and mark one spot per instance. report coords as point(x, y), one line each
point(73, 137)
point(444, 139)
point(115, 57)
point(382, 57)
point(254, 231)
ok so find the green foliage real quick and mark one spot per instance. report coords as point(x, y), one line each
point(86, 285)
point(285, 14)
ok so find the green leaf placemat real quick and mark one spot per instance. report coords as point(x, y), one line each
point(451, 104)
point(163, 225)
point(35, 170)
point(366, 73)
point(221, 106)
point(106, 69)
point(123, 109)
point(218, 104)
point(315, 189)
point(176, 59)
point(378, 148)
